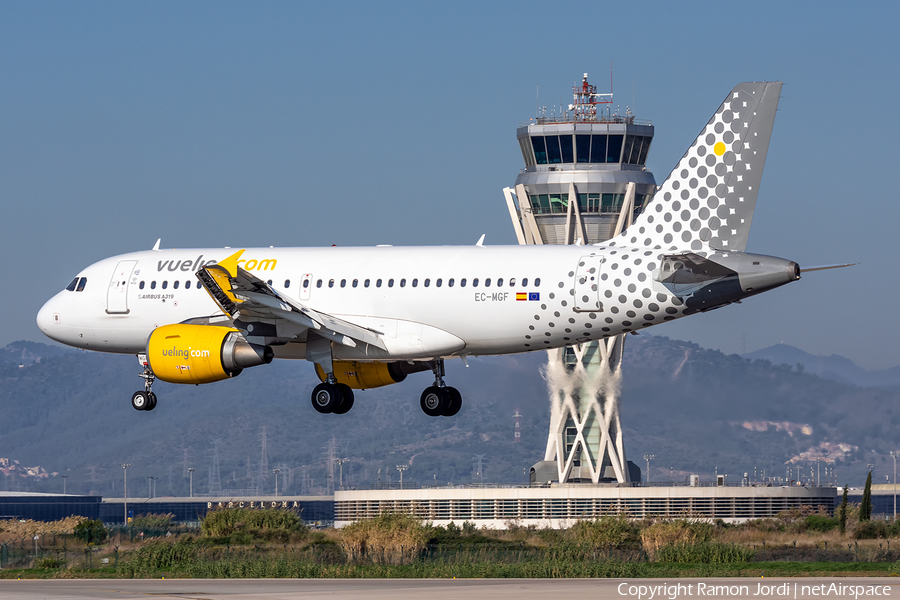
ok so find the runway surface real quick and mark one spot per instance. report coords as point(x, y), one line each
point(445, 589)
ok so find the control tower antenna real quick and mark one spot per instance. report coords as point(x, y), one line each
point(585, 100)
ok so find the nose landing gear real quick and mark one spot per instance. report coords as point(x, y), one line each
point(145, 400)
point(440, 399)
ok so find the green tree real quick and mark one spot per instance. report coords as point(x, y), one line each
point(91, 531)
point(865, 509)
point(842, 513)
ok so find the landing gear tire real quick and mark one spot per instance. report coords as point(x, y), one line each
point(152, 401)
point(326, 397)
point(455, 401)
point(435, 401)
point(346, 399)
point(140, 400)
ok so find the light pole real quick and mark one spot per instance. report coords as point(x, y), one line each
point(276, 471)
point(648, 458)
point(66, 477)
point(402, 468)
point(125, 490)
point(191, 471)
point(340, 463)
point(894, 456)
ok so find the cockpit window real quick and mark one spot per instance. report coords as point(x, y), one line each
point(71, 286)
point(81, 283)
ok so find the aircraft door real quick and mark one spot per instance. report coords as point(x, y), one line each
point(117, 294)
point(587, 284)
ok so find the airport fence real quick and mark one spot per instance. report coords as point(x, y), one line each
point(59, 550)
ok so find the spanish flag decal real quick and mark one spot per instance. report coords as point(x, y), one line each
point(521, 296)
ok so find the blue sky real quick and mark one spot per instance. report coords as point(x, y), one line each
point(310, 124)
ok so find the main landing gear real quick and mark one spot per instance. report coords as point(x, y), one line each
point(440, 399)
point(145, 400)
point(332, 397)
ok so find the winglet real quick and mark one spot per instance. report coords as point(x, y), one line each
point(230, 263)
point(480, 241)
point(156, 245)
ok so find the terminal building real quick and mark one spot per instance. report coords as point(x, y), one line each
point(313, 510)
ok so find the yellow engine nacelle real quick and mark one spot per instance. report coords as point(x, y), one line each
point(365, 375)
point(201, 353)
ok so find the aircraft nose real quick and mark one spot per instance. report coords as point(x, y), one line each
point(48, 316)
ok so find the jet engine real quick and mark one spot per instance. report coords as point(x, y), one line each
point(202, 353)
point(366, 375)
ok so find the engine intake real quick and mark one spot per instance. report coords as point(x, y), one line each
point(202, 353)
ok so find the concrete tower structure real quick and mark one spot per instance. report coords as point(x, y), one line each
point(584, 181)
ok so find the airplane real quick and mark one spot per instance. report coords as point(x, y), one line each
point(368, 317)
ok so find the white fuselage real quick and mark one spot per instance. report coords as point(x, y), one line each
point(425, 301)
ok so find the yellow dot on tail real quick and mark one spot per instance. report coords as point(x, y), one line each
point(719, 149)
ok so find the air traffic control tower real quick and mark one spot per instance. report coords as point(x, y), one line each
point(584, 181)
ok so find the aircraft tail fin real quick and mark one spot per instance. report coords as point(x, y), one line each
point(707, 201)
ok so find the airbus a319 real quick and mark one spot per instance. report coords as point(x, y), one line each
point(368, 317)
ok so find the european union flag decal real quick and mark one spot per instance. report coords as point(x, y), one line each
point(535, 296)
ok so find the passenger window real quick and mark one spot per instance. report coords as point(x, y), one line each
point(343, 283)
point(390, 283)
point(355, 282)
point(175, 284)
point(331, 283)
point(487, 282)
point(366, 283)
point(427, 282)
point(524, 282)
point(500, 282)
point(287, 283)
point(165, 284)
point(537, 282)
point(141, 285)
point(81, 283)
point(269, 282)
point(475, 282)
point(403, 283)
point(377, 283)
point(462, 282)
point(415, 282)
point(152, 285)
point(305, 283)
point(438, 282)
point(187, 284)
point(319, 283)
point(450, 282)
point(512, 281)
point(71, 286)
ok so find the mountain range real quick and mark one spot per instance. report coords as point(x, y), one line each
point(833, 367)
point(697, 410)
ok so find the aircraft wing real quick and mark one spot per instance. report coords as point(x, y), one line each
point(249, 300)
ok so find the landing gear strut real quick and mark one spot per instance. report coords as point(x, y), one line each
point(145, 400)
point(440, 399)
point(332, 397)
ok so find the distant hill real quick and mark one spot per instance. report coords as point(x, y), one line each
point(69, 413)
point(833, 367)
